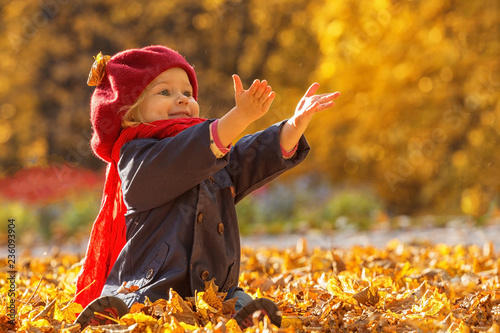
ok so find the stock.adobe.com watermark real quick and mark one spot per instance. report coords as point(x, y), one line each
point(11, 264)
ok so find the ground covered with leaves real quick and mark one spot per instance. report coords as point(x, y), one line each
point(399, 288)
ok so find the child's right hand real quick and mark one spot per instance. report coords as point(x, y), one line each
point(253, 103)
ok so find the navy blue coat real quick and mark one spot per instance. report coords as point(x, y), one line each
point(181, 220)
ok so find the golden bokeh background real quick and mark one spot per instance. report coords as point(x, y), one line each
point(417, 122)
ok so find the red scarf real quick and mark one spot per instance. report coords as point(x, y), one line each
point(107, 237)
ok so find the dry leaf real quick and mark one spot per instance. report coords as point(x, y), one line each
point(439, 291)
point(98, 69)
point(126, 290)
point(68, 313)
point(367, 296)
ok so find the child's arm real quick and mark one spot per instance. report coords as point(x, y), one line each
point(295, 127)
point(251, 104)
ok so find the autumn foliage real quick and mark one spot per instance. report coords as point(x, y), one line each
point(417, 123)
point(399, 288)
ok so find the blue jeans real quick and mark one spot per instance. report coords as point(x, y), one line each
point(243, 299)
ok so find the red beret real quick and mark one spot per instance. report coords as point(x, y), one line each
point(126, 76)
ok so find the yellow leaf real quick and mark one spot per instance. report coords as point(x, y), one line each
point(232, 326)
point(368, 295)
point(175, 326)
point(98, 69)
point(203, 304)
point(495, 328)
point(429, 305)
point(294, 322)
point(342, 285)
point(188, 327)
point(40, 323)
point(210, 298)
point(68, 313)
point(462, 328)
point(209, 326)
point(138, 317)
point(258, 293)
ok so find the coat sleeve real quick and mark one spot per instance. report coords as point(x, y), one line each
point(154, 172)
point(257, 159)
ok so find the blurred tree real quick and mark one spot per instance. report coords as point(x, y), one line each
point(419, 112)
point(48, 52)
point(418, 116)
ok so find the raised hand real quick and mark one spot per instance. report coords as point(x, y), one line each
point(308, 105)
point(253, 103)
point(311, 104)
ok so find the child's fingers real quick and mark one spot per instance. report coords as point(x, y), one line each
point(315, 104)
point(269, 100)
point(254, 87)
point(324, 106)
point(265, 94)
point(323, 99)
point(261, 89)
point(329, 95)
point(312, 89)
point(238, 85)
point(332, 96)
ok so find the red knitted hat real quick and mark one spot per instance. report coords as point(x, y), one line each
point(126, 76)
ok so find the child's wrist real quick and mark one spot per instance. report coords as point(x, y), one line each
point(215, 143)
point(230, 126)
point(296, 125)
point(241, 118)
point(289, 153)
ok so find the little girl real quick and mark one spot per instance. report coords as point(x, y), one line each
point(167, 217)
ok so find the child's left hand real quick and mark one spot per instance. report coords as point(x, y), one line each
point(307, 107)
point(311, 104)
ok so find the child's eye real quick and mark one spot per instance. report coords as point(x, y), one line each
point(165, 92)
point(188, 93)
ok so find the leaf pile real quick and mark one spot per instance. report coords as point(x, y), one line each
point(400, 288)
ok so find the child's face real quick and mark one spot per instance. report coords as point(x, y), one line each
point(169, 96)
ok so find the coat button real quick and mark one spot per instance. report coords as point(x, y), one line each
point(200, 218)
point(220, 228)
point(150, 273)
point(205, 275)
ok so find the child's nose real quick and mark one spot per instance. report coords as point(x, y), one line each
point(182, 99)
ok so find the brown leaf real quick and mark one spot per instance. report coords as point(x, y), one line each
point(228, 306)
point(181, 310)
point(98, 69)
point(368, 295)
point(126, 290)
point(263, 283)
